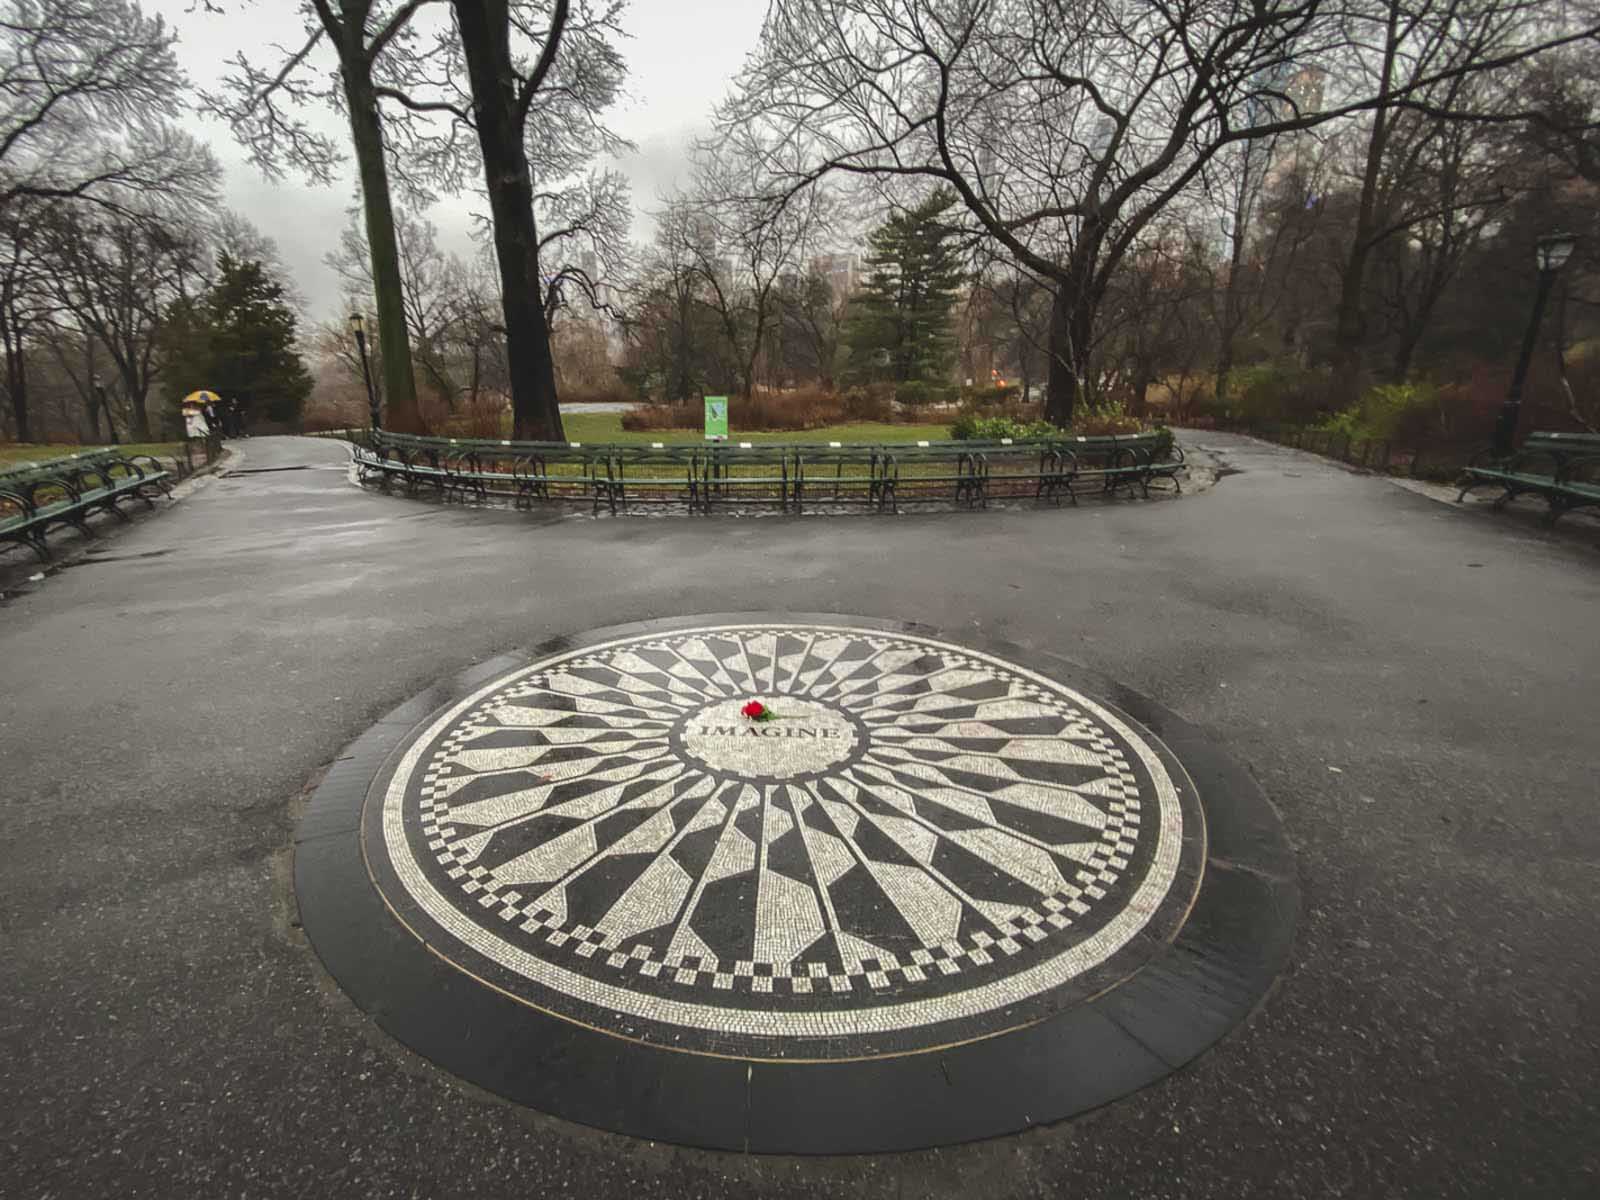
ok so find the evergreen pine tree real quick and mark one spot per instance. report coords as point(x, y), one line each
point(238, 340)
point(899, 324)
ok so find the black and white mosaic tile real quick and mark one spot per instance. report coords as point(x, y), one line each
point(928, 845)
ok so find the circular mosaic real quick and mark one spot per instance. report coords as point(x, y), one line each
point(918, 844)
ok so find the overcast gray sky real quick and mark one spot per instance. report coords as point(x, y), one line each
point(681, 55)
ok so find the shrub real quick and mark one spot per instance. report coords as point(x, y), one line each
point(1390, 412)
point(646, 417)
point(874, 402)
point(1105, 419)
point(1275, 394)
point(486, 417)
point(803, 408)
point(969, 426)
point(993, 397)
point(919, 392)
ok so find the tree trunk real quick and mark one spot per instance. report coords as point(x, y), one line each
point(1026, 376)
point(1143, 373)
point(1350, 328)
point(91, 400)
point(485, 43)
point(17, 385)
point(1400, 367)
point(1070, 327)
point(1232, 305)
point(141, 417)
point(366, 131)
point(1224, 373)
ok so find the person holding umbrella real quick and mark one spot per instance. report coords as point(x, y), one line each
point(200, 414)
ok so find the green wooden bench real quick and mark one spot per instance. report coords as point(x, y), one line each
point(703, 476)
point(928, 471)
point(834, 473)
point(658, 472)
point(746, 473)
point(1563, 468)
point(1111, 462)
point(35, 497)
point(556, 471)
point(525, 471)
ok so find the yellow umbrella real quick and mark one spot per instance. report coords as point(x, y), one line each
point(201, 399)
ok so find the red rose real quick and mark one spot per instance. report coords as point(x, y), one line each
point(755, 710)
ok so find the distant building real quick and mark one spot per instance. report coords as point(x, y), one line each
point(1304, 89)
point(589, 263)
point(1300, 91)
point(842, 271)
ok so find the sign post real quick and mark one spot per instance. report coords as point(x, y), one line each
point(716, 418)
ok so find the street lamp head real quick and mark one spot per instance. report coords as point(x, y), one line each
point(358, 324)
point(1554, 250)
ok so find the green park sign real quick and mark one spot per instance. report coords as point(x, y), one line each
point(716, 418)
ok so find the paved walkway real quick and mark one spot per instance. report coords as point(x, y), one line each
point(1414, 685)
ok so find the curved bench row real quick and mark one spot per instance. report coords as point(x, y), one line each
point(789, 475)
point(37, 497)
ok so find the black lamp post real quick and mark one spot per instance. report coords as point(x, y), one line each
point(358, 326)
point(1552, 252)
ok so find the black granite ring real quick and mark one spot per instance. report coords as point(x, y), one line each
point(483, 979)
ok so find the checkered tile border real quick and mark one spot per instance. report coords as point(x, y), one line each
point(1091, 882)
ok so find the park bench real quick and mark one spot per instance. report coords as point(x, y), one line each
point(380, 461)
point(927, 471)
point(550, 471)
point(1563, 468)
point(834, 473)
point(525, 471)
point(35, 497)
point(1159, 457)
point(1112, 462)
point(1009, 468)
point(746, 473)
point(654, 473)
point(882, 476)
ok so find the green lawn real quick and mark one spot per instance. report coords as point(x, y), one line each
point(607, 427)
point(12, 453)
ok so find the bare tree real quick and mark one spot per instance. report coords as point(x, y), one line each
point(811, 313)
point(118, 275)
point(742, 244)
point(1421, 62)
point(1065, 128)
point(671, 333)
point(86, 91)
point(539, 79)
point(263, 106)
point(26, 303)
point(430, 280)
point(86, 87)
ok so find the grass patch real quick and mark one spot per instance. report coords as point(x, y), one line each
point(13, 453)
point(607, 427)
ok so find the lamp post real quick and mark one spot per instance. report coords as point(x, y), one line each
point(358, 326)
point(1552, 253)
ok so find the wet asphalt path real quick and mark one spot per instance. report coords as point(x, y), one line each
point(1414, 686)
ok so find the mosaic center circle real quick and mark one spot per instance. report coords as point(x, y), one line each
point(927, 843)
point(802, 737)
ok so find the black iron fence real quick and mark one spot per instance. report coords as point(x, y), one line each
point(1435, 459)
point(198, 453)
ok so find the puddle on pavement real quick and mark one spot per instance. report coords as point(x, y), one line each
point(101, 556)
point(88, 559)
point(265, 470)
